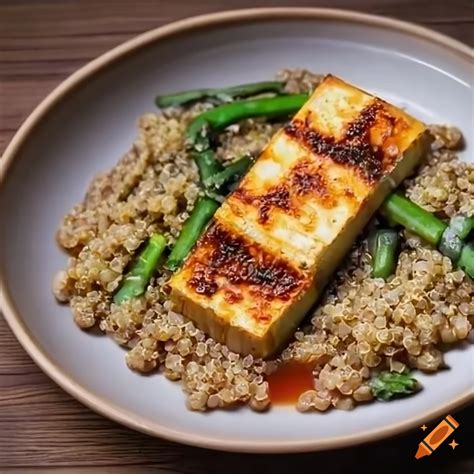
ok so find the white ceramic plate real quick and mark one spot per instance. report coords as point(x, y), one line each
point(89, 121)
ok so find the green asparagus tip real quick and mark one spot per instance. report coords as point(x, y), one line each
point(387, 385)
point(383, 246)
point(450, 244)
point(462, 226)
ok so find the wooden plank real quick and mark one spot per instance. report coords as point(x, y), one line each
point(44, 42)
point(88, 470)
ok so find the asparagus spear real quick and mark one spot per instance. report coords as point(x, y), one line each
point(224, 94)
point(135, 281)
point(462, 226)
point(384, 249)
point(192, 229)
point(386, 385)
point(207, 164)
point(466, 260)
point(450, 244)
point(411, 216)
point(230, 173)
point(227, 114)
point(448, 239)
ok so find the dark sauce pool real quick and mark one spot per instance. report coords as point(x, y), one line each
point(289, 381)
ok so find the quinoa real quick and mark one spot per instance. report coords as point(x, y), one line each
point(361, 325)
point(445, 185)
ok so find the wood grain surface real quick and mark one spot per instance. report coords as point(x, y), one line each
point(42, 429)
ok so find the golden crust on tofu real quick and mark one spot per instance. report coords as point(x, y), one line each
point(236, 286)
point(299, 210)
point(302, 204)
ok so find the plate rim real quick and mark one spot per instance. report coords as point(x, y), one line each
point(182, 27)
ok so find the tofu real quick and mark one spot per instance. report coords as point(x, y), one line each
point(276, 240)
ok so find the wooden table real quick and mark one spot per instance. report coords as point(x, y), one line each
point(42, 429)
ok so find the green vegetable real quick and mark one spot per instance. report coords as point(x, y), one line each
point(450, 244)
point(384, 250)
point(225, 94)
point(386, 385)
point(207, 164)
point(224, 115)
point(466, 260)
point(192, 229)
point(230, 173)
point(462, 226)
point(135, 281)
point(411, 216)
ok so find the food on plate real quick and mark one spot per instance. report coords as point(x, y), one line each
point(184, 207)
point(386, 385)
point(383, 250)
point(276, 240)
point(222, 94)
point(134, 283)
point(224, 115)
point(192, 229)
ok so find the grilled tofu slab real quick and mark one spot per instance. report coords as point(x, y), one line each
point(276, 240)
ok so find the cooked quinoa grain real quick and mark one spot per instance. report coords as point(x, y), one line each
point(361, 325)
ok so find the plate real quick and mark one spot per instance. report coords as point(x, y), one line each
point(89, 121)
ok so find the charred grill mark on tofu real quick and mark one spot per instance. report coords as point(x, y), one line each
point(203, 280)
point(358, 155)
point(305, 182)
point(232, 296)
point(355, 149)
point(305, 178)
point(384, 133)
point(278, 196)
point(276, 240)
point(231, 258)
point(359, 129)
point(349, 193)
point(376, 126)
